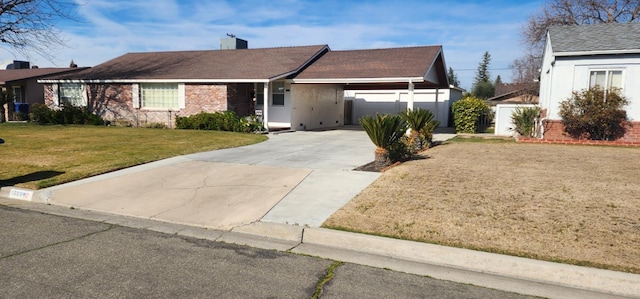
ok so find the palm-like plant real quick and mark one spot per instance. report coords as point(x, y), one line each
point(524, 120)
point(417, 120)
point(383, 130)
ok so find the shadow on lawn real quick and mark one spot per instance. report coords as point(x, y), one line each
point(35, 176)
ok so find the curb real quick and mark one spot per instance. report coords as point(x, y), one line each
point(507, 273)
point(562, 275)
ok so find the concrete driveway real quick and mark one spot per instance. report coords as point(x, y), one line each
point(293, 178)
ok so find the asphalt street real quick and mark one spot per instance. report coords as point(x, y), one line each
point(49, 256)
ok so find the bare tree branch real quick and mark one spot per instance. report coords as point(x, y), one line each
point(568, 12)
point(577, 12)
point(29, 25)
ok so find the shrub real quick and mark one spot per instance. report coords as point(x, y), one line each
point(219, 121)
point(524, 120)
point(466, 113)
point(594, 114)
point(156, 125)
point(68, 115)
point(422, 124)
point(427, 131)
point(385, 131)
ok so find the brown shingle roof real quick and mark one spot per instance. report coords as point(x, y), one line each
point(373, 63)
point(21, 74)
point(203, 65)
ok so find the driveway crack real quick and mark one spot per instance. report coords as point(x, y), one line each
point(111, 226)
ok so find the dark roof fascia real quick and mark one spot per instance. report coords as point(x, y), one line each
point(133, 81)
point(307, 63)
point(47, 75)
point(438, 57)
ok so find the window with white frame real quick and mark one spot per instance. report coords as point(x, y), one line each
point(277, 93)
point(606, 79)
point(159, 95)
point(72, 94)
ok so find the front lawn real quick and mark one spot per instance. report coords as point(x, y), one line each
point(36, 156)
point(573, 204)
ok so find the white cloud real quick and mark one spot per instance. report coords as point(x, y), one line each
point(465, 29)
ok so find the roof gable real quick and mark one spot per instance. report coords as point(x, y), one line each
point(409, 62)
point(599, 38)
point(209, 65)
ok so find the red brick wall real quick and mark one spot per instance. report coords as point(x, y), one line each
point(554, 133)
point(114, 102)
point(207, 98)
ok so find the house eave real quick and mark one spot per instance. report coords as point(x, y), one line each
point(360, 80)
point(131, 81)
point(600, 52)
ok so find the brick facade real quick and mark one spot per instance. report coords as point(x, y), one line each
point(114, 102)
point(554, 133)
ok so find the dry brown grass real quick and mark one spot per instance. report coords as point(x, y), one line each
point(574, 204)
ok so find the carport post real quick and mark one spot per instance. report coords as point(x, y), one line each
point(410, 103)
point(265, 105)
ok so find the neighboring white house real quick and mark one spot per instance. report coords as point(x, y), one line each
point(581, 56)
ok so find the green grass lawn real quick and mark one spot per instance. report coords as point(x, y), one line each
point(35, 156)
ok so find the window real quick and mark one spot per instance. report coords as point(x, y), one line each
point(278, 93)
point(606, 79)
point(72, 94)
point(17, 94)
point(159, 95)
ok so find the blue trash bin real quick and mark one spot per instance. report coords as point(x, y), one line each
point(21, 107)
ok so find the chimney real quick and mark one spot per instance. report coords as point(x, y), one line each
point(231, 42)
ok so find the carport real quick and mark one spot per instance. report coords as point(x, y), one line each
point(385, 80)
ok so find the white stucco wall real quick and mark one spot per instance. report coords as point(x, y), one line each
point(568, 74)
point(316, 106)
point(370, 102)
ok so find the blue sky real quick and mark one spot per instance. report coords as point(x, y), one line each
point(466, 29)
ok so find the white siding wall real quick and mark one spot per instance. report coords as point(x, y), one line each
point(280, 116)
point(370, 102)
point(316, 106)
point(572, 74)
point(503, 124)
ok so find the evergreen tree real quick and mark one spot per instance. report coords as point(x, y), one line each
point(453, 78)
point(483, 88)
point(498, 81)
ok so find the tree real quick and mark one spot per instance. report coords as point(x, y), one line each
point(483, 88)
point(526, 69)
point(498, 81)
point(578, 12)
point(566, 12)
point(453, 78)
point(28, 25)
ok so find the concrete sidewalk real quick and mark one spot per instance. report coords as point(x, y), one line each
point(295, 178)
